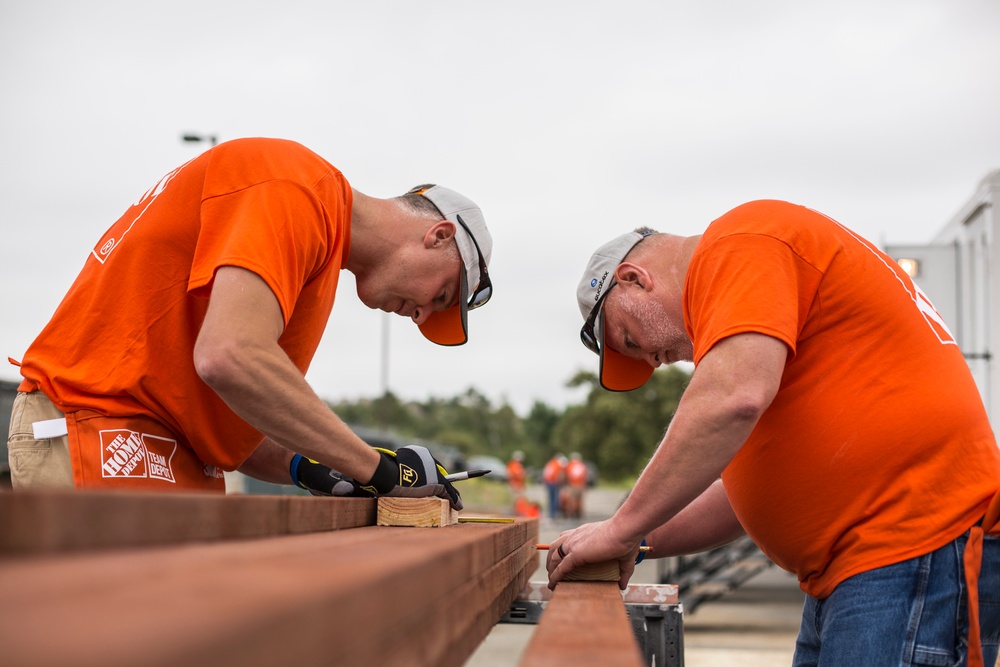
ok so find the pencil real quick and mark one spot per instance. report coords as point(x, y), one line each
point(545, 547)
point(468, 474)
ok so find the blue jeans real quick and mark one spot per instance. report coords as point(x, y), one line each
point(553, 500)
point(910, 613)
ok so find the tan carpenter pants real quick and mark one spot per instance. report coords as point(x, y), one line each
point(37, 463)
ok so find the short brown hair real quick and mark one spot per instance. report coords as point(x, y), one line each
point(420, 205)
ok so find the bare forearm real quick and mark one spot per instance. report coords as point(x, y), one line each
point(237, 354)
point(264, 388)
point(269, 462)
point(730, 389)
point(732, 386)
point(690, 458)
point(706, 523)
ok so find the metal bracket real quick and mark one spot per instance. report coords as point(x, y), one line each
point(527, 612)
point(659, 629)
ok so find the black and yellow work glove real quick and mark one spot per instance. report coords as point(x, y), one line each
point(409, 471)
point(320, 480)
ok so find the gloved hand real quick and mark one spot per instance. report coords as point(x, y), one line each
point(409, 471)
point(417, 475)
point(320, 480)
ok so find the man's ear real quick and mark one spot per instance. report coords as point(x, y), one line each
point(633, 275)
point(439, 233)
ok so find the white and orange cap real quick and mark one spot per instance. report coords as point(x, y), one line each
point(475, 246)
point(617, 372)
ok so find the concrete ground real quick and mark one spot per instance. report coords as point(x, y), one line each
point(753, 626)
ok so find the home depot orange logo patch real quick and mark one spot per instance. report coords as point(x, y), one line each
point(126, 453)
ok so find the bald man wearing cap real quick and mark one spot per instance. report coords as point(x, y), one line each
point(830, 416)
point(180, 350)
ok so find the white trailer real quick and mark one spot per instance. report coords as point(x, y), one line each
point(960, 272)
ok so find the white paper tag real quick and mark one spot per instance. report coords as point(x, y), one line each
point(50, 428)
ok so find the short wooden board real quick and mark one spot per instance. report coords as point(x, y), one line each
point(423, 512)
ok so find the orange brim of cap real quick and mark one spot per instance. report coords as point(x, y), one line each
point(621, 373)
point(450, 327)
point(447, 327)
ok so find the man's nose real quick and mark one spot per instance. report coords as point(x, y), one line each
point(420, 314)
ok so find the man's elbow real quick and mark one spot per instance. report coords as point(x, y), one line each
point(748, 407)
point(217, 363)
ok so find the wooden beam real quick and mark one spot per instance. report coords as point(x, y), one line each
point(35, 522)
point(373, 594)
point(584, 625)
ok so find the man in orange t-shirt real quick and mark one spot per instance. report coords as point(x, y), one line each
point(180, 350)
point(831, 416)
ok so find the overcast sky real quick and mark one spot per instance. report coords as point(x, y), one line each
point(567, 122)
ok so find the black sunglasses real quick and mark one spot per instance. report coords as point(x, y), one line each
point(485, 288)
point(587, 333)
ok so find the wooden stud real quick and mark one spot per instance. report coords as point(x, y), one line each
point(238, 601)
point(584, 625)
point(424, 512)
point(37, 522)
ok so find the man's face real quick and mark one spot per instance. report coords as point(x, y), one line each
point(639, 326)
point(422, 281)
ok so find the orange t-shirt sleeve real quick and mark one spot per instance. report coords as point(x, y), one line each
point(275, 229)
point(748, 283)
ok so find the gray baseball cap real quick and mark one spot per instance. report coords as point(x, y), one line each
point(617, 372)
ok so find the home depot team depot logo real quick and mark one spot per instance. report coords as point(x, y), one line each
point(131, 454)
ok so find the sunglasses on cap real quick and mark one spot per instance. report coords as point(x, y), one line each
point(587, 334)
point(485, 288)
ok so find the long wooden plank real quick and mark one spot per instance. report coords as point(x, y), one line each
point(583, 625)
point(60, 522)
point(447, 634)
point(378, 595)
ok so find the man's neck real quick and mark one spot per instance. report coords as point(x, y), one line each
point(375, 232)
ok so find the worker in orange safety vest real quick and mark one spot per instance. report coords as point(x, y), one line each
point(576, 479)
point(554, 476)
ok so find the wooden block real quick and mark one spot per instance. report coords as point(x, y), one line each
point(607, 571)
point(425, 512)
point(584, 625)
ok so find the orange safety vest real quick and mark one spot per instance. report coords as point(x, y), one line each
point(515, 473)
point(576, 473)
point(553, 472)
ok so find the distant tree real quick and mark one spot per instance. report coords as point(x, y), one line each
point(619, 431)
point(538, 428)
